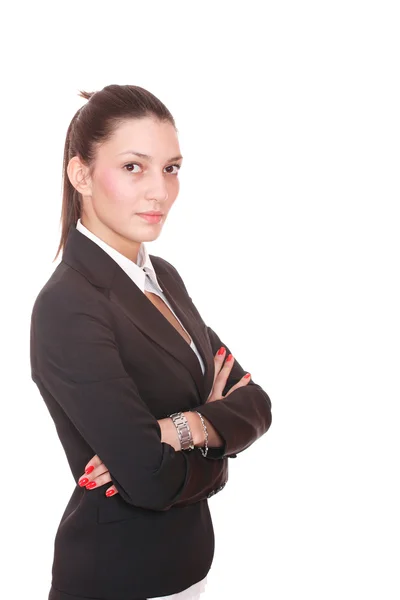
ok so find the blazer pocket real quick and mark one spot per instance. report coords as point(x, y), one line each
point(115, 508)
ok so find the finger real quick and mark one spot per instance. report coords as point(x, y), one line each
point(219, 358)
point(220, 380)
point(241, 383)
point(87, 478)
point(92, 464)
point(222, 377)
point(99, 481)
point(112, 491)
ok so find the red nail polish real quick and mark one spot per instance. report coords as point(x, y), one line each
point(247, 376)
point(83, 481)
point(221, 350)
point(91, 485)
point(89, 469)
point(110, 492)
point(229, 357)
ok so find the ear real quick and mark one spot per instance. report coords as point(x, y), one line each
point(78, 174)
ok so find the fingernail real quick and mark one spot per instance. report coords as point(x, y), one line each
point(89, 469)
point(91, 485)
point(83, 481)
point(247, 376)
point(110, 492)
point(229, 357)
point(221, 350)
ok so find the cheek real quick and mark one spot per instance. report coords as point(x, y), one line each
point(113, 185)
point(173, 187)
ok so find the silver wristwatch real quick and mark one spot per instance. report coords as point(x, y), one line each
point(184, 433)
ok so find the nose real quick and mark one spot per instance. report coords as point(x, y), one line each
point(157, 188)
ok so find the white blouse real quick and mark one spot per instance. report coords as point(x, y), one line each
point(142, 273)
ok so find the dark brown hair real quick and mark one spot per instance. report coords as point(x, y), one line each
point(93, 124)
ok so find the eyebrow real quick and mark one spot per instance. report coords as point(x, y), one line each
point(150, 158)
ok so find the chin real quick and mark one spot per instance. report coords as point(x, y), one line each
point(147, 236)
point(151, 237)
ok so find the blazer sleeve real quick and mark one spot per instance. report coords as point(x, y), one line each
point(75, 359)
point(243, 416)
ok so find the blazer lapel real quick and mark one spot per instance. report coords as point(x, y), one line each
point(102, 271)
point(146, 317)
point(197, 331)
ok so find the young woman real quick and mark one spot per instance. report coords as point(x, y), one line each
point(147, 401)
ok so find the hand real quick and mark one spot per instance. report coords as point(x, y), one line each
point(100, 475)
point(221, 377)
point(96, 474)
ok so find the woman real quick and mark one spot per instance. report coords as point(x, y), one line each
point(148, 402)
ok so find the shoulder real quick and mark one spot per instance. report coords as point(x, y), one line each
point(65, 293)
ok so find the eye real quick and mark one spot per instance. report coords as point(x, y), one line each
point(131, 165)
point(177, 168)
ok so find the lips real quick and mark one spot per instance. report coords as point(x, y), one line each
point(152, 213)
point(150, 217)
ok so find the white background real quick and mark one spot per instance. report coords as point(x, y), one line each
point(285, 232)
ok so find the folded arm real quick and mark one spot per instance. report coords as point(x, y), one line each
point(76, 362)
point(245, 415)
point(240, 418)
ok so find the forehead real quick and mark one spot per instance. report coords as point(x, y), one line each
point(145, 135)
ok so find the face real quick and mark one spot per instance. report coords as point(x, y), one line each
point(135, 171)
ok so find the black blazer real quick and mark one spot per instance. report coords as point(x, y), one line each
point(108, 364)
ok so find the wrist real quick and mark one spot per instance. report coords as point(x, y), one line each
point(196, 427)
point(183, 429)
point(214, 438)
point(169, 433)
